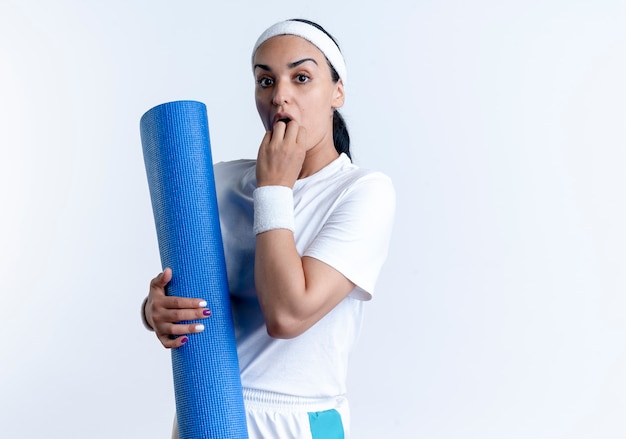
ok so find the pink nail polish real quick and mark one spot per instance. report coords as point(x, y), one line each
point(184, 340)
point(207, 312)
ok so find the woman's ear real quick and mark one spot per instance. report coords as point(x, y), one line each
point(339, 95)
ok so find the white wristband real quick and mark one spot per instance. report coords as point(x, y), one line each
point(273, 209)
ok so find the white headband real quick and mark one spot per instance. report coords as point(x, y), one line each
point(312, 34)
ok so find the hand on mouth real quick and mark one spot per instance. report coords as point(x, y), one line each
point(281, 117)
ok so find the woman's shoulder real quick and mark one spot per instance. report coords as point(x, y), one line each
point(234, 168)
point(347, 182)
point(235, 173)
point(343, 172)
point(231, 165)
point(366, 187)
point(358, 176)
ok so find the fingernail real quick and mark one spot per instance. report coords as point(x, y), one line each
point(184, 340)
point(206, 312)
point(202, 304)
point(199, 328)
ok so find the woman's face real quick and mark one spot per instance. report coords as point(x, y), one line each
point(293, 81)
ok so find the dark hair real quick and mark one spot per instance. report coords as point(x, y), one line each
point(341, 137)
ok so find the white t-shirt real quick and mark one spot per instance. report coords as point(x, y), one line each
point(343, 217)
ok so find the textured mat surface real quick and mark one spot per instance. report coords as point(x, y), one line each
point(177, 155)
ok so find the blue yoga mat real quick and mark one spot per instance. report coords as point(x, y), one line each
point(179, 166)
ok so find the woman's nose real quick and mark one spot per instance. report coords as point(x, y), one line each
point(281, 93)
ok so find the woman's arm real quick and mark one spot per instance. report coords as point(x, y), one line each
point(294, 292)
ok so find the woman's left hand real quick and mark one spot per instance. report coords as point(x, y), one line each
point(281, 155)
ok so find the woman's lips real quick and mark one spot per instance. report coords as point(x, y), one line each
point(282, 117)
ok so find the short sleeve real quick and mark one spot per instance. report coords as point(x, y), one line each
point(355, 238)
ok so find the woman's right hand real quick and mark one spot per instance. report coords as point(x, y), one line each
point(163, 313)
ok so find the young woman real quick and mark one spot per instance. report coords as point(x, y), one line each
point(305, 234)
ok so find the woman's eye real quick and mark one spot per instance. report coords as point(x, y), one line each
point(264, 82)
point(302, 78)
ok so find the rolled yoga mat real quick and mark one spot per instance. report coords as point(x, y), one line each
point(179, 166)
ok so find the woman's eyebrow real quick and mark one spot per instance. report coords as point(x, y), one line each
point(297, 63)
point(290, 65)
point(263, 67)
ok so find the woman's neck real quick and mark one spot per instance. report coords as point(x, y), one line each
point(318, 158)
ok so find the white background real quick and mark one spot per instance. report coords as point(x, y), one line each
point(501, 312)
